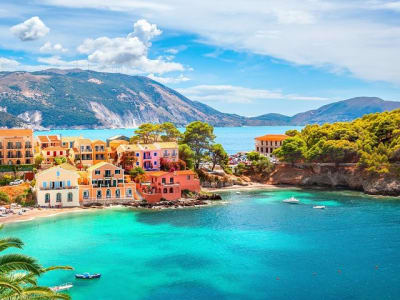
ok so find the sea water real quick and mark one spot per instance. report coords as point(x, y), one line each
point(234, 139)
point(251, 246)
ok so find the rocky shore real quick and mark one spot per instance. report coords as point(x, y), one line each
point(335, 176)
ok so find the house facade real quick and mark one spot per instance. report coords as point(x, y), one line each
point(16, 146)
point(147, 156)
point(266, 144)
point(105, 183)
point(45, 141)
point(162, 185)
point(57, 187)
point(50, 153)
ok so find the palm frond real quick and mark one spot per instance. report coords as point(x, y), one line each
point(18, 262)
point(56, 268)
point(8, 284)
point(10, 242)
point(39, 292)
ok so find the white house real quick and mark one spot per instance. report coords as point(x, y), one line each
point(57, 187)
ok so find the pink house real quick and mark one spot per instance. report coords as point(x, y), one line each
point(168, 185)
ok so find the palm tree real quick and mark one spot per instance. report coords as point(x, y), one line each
point(19, 274)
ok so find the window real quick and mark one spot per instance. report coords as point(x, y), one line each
point(117, 171)
point(155, 153)
point(107, 173)
point(44, 184)
point(171, 180)
point(70, 197)
point(137, 163)
point(165, 191)
point(171, 190)
point(48, 152)
point(137, 154)
point(155, 163)
point(69, 183)
point(85, 194)
point(117, 193)
point(97, 172)
point(58, 197)
point(188, 177)
point(163, 180)
point(58, 173)
point(129, 192)
point(108, 194)
point(99, 194)
point(258, 149)
point(47, 198)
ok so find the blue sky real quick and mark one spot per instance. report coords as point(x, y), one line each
point(246, 57)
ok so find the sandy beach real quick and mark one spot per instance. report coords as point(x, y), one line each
point(40, 213)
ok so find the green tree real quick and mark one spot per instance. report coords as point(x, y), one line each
point(60, 160)
point(218, 156)
point(253, 156)
point(169, 132)
point(137, 174)
point(148, 133)
point(19, 274)
point(292, 150)
point(187, 155)
point(4, 197)
point(38, 160)
point(199, 136)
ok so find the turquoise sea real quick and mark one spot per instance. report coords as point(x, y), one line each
point(252, 247)
point(234, 139)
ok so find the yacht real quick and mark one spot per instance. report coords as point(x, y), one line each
point(291, 200)
point(319, 206)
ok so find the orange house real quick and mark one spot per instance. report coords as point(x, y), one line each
point(168, 185)
point(99, 151)
point(266, 144)
point(16, 146)
point(105, 183)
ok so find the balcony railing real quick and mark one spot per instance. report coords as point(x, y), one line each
point(48, 188)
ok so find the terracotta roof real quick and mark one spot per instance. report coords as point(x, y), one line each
point(54, 148)
point(16, 132)
point(98, 142)
point(167, 145)
point(185, 172)
point(53, 137)
point(156, 173)
point(43, 138)
point(100, 164)
point(272, 137)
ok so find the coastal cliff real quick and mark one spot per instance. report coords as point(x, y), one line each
point(335, 176)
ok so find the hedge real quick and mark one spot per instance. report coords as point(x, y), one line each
point(17, 168)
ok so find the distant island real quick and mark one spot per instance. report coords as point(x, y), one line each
point(54, 99)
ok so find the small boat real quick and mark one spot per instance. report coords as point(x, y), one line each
point(87, 276)
point(63, 287)
point(238, 193)
point(319, 206)
point(291, 200)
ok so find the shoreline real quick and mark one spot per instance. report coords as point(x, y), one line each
point(250, 187)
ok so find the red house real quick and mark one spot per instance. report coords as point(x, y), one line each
point(168, 185)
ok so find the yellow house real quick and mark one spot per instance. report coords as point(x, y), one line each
point(57, 187)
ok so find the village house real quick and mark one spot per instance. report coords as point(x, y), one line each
point(51, 153)
point(105, 183)
point(162, 185)
point(16, 146)
point(266, 144)
point(45, 141)
point(57, 187)
point(99, 151)
point(147, 156)
point(82, 152)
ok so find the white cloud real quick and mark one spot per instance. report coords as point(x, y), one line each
point(128, 52)
point(30, 30)
point(7, 64)
point(237, 94)
point(356, 36)
point(48, 47)
point(169, 80)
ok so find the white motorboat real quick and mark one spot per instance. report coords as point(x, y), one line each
point(291, 200)
point(63, 287)
point(238, 193)
point(319, 206)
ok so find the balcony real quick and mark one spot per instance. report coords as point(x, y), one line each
point(28, 146)
point(58, 188)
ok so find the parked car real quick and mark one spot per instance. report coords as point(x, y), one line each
point(16, 182)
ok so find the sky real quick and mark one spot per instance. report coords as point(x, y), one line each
point(248, 57)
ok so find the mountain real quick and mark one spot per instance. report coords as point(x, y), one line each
point(77, 98)
point(341, 111)
point(9, 121)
